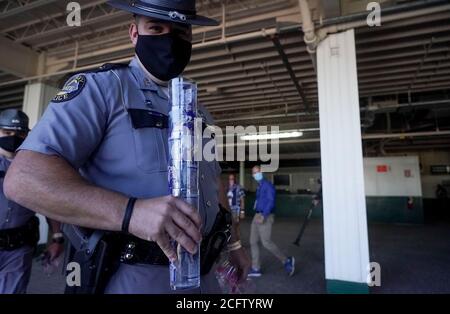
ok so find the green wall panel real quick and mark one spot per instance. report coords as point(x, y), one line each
point(379, 209)
point(346, 287)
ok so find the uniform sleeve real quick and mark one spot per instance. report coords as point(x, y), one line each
point(72, 127)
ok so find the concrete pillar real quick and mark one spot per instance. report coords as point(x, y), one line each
point(35, 100)
point(242, 173)
point(345, 221)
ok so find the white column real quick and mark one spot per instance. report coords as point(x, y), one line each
point(242, 173)
point(35, 100)
point(345, 221)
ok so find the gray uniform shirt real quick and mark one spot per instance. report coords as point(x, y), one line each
point(88, 124)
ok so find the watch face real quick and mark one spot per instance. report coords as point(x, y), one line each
point(59, 240)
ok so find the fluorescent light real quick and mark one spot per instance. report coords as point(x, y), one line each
point(271, 136)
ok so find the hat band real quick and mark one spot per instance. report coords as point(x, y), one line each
point(174, 15)
point(13, 128)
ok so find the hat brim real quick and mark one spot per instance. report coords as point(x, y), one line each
point(13, 128)
point(198, 20)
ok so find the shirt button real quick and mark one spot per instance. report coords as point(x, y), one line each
point(202, 177)
point(208, 203)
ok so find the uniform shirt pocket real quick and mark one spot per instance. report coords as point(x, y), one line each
point(150, 141)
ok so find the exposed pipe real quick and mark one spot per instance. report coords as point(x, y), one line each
point(391, 108)
point(310, 38)
point(224, 20)
point(364, 109)
point(404, 135)
point(274, 116)
point(389, 15)
point(390, 10)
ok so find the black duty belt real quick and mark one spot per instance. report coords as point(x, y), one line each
point(137, 251)
point(13, 239)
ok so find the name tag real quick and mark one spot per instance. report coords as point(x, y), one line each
point(142, 118)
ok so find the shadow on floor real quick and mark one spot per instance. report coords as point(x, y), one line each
point(413, 259)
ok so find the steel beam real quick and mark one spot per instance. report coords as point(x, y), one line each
point(24, 8)
point(295, 81)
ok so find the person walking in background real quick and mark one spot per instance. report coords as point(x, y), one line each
point(261, 228)
point(317, 198)
point(235, 196)
point(442, 197)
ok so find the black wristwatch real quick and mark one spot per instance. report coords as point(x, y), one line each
point(58, 238)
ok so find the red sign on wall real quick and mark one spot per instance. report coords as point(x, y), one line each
point(382, 168)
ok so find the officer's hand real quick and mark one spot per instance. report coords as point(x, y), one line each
point(165, 218)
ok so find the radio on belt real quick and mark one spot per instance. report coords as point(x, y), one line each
point(183, 173)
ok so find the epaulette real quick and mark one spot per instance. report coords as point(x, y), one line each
point(109, 66)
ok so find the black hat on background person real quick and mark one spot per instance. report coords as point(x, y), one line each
point(13, 130)
point(14, 120)
point(177, 11)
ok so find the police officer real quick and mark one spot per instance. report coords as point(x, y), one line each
point(19, 228)
point(98, 157)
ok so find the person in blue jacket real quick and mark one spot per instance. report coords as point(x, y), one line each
point(261, 229)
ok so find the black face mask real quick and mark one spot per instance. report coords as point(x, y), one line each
point(164, 56)
point(11, 143)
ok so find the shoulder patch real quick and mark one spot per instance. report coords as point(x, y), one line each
point(71, 89)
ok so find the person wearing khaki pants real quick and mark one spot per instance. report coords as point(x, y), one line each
point(261, 228)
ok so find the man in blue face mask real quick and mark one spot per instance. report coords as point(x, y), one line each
point(261, 229)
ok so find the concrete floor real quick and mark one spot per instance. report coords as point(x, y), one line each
point(413, 259)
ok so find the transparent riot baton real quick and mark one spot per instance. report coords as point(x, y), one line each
point(183, 173)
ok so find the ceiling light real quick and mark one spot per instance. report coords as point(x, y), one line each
point(271, 136)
